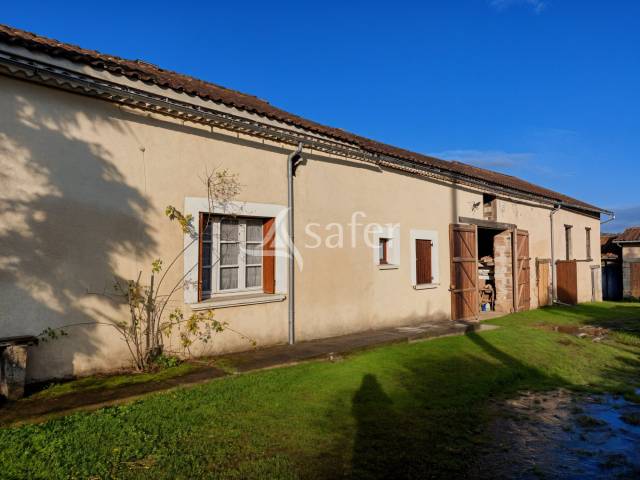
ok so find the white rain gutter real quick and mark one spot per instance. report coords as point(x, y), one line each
point(613, 217)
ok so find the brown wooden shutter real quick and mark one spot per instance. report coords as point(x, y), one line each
point(268, 256)
point(200, 234)
point(635, 279)
point(384, 251)
point(205, 246)
point(423, 262)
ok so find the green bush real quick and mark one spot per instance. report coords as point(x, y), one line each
point(166, 361)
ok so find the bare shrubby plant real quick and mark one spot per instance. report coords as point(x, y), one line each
point(223, 187)
point(149, 326)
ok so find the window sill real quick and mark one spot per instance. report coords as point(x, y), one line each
point(387, 266)
point(426, 286)
point(238, 300)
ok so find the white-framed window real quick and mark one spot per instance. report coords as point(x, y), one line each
point(425, 265)
point(386, 240)
point(209, 277)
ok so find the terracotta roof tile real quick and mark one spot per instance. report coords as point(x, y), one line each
point(146, 72)
point(630, 235)
point(607, 238)
point(608, 248)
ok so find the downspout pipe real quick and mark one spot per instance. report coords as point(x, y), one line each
point(554, 292)
point(293, 160)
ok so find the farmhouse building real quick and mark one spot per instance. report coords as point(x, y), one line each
point(611, 256)
point(93, 148)
point(629, 243)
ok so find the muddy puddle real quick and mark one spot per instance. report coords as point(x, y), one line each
point(565, 436)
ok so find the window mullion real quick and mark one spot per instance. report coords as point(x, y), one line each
point(242, 257)
point(215, 257)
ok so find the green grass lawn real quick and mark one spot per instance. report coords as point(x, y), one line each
point(416, 410)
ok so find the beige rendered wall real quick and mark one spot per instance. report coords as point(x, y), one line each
point(536, 220)
point(631, 252)
point(586, 280)
point(83, 188)
point(84, 205)
point(342, 290)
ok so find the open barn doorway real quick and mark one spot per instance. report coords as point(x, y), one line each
point(495, 271)
point(482, 268)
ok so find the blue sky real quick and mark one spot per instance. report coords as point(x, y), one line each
point(548, 90)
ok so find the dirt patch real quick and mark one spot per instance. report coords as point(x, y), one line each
point(563, 435)
point(29, 410)
point(580, 331)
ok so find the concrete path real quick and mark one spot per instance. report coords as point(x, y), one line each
point(327, 347)
point(29, 411)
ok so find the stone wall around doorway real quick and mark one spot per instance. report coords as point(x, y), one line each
point(503, 258)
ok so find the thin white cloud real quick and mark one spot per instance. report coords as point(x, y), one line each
point(538, 6)
point(507, 162)
point(486, 158)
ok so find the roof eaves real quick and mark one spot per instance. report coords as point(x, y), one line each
point(140, 70)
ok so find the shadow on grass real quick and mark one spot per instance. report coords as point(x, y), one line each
point(435, 429)
point(377, 422)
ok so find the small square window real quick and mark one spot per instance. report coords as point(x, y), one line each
point(425, 268)
point(383, 251)
point(385, 247)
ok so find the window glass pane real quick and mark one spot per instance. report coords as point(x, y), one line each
point(229, 230)
point(207, 226)
point(254, 230)
point(254, 277)
point(206, 254)
point(229, 253)
point(206, 279)
point(254, 254)
point(228, 278)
